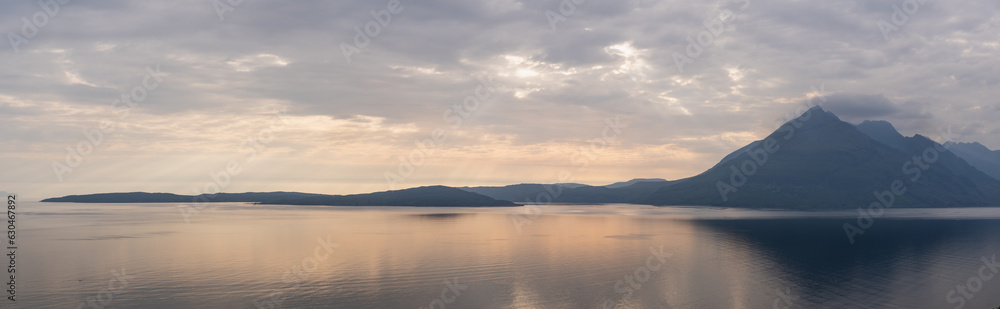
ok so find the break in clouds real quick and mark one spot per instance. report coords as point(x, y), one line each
point(355, 83)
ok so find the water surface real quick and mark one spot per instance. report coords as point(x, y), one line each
point(245, 256)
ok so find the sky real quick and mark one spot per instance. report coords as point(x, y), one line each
point(354, 96)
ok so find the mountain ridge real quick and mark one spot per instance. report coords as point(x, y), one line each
point(815, 161)
point(820, 161)
point(419, 196)
point(978, 155)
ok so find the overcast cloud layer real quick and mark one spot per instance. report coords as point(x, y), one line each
point(346, 123)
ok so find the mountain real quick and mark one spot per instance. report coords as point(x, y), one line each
point(131, 197)
point(621, 192)
point(144, 197)
point(815, 161)
point(422, 196)
point(982, 158)
point(883, 132)
point(635, 181)
point(819, 161)
point(632, 194)
point(521, 192)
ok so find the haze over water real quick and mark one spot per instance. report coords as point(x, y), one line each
point(233, 255)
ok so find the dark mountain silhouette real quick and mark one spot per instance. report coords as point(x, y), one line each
point(143, 197)
point(620, 192)
point(883, 132)
point(977, 155)
point(520, 192)
point(815, 161)
point(819, 161)
point(422, 196)
point(130, 197)
point(601, 194)
point(635, 181)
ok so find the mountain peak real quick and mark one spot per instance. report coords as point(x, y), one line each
point(883, 132)
point(978, 155)
point(820, 161)
point(819, 110)
point(973, 146)
point(817, 115)
point(879, 124)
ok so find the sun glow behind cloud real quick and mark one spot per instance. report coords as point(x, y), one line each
point(250, 63)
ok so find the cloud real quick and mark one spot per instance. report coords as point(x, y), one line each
point(554, 89)
point(863, 106)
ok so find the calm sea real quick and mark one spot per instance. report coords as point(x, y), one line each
point(608, 256)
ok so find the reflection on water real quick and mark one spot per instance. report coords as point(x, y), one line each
point(236, 256)
point(439, 216)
